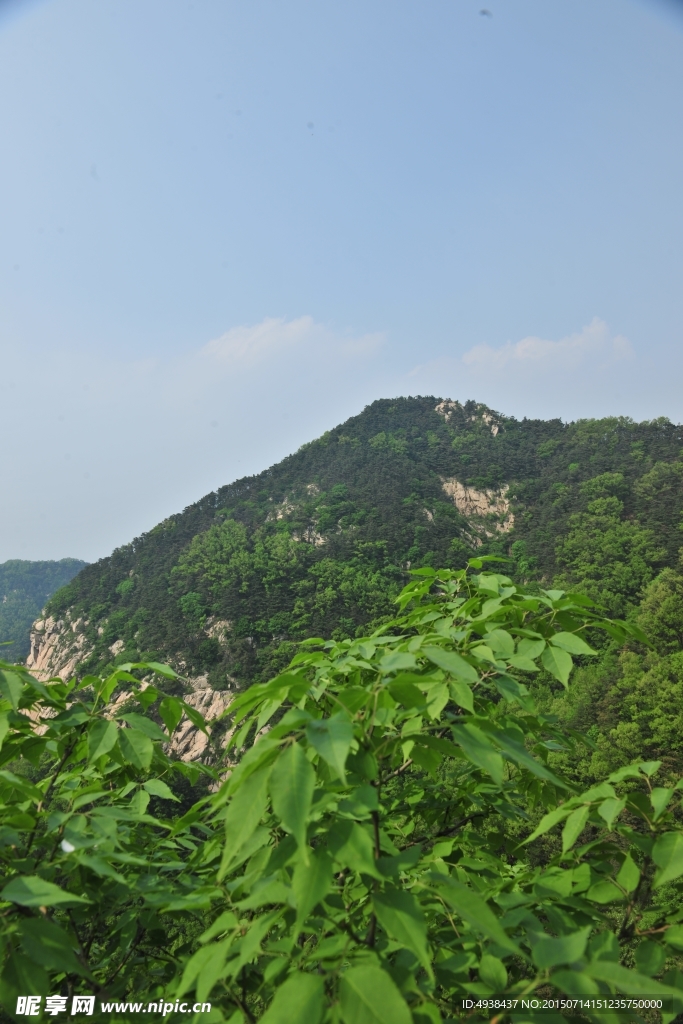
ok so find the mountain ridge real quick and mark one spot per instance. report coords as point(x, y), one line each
point(319, 543)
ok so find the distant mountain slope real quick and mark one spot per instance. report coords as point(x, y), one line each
point(320, 543)
point(24, 589)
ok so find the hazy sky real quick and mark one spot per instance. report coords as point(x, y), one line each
point(227, 226)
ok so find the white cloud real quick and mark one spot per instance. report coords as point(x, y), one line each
point(594, 344)
point(276, 336)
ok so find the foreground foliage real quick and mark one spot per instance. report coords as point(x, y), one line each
point(393, 841)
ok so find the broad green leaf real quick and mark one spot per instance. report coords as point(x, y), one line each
point(667, 854)
point(171, 711)
point(571, 643)
point(34, 891)
point(610, 809)
point(650, 957)
point(475, 911)
point(397, 661)
point(311, 883)
point(136, 748)
point(352, 847)
point(659, 798)
point(558, 663)
point(631, 983)
point(604, 892)
point(461, 694)
point(673, 936)
point(370, 996)
point(145, 725)
point(573, 827)
point(528, 648)
point(331, 737)
point(158, 788)
point(4, 726)
point(493, 973)
point(243, 814)
point(517, 752)
point(479, 749)
point(518, 661)
point(501, 642)
point(565, 949)
point(451, 662)
point(405, 692)
point(401, 916)
point(292, 782)
point(10, 687)
point(195, 716)
point(48, 945)
point(299, 1001)
point(102, 736)
point(629, 874)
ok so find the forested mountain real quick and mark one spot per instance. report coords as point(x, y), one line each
point(450, 803)
point(320, 543)
point(24, 589)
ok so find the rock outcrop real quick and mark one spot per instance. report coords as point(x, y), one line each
point(488, 512)
point(57, 647)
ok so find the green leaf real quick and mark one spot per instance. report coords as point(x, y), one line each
point(34, 891)
point(48, 945)
point(369, 996)
point(479, 750)
point(493, 973)
point(667, 853)
point(171, 711)
point(476, 912)
point(11, 688)
point(566, 949)
point(397, 661)
point(659, 798)
point(573, 827)
point(461, 694)
point(195, 717)
point(352, 847)
point(102, 736)
point(311, 883)
point(650, 957)
point(630, 983)
point(158, 788)
point(604, 892)
point(243, 814)
point(136, 748)
point(406, 693)
point(299, 1001)
point(528, 648)
point(571, 643)
point(451, 662)
point(548, 821)
point(629, 874)
point(518, 661)
point(558, 663)
point(145, 725)
point(4, 726)
point(291, 787)
point(610, 809)
point(401, 916)
point(331, 737)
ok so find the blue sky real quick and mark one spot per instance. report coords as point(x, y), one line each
point(227, 226)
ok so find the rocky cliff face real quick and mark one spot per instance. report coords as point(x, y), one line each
point(59, 645)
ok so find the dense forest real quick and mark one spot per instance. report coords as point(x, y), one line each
point(321, 543)
point(24, 589)
point(479, 797)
